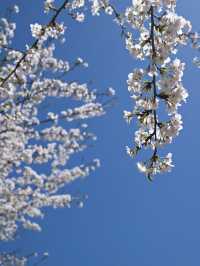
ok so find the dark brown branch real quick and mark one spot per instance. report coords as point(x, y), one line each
point(152, 37)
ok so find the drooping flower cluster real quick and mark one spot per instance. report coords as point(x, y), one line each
point(161, 31)
point(36, 144)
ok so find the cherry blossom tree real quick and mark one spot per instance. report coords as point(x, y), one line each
point(33, 139)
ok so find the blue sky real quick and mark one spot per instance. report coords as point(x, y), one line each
point(126, 220)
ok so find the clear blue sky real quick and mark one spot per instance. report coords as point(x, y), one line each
point(126, 220)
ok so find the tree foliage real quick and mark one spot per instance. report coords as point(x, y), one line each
point(37, 144)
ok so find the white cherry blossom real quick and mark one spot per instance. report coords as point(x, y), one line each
point(33, 138)
point(153, 33)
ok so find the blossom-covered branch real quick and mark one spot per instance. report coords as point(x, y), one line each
point(37, 144)
point(14, 259)
point(161, 31)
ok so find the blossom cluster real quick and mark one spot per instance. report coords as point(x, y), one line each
point(7, 259)
point(98, 5)
point(160, 32)
point(36, 144)
point(14, 259)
